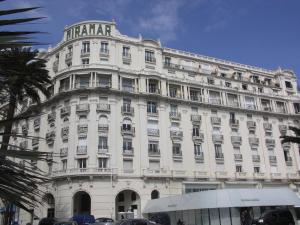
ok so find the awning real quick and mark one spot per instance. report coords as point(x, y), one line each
point(224, 198)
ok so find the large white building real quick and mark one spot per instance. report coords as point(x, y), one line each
point(130, 120)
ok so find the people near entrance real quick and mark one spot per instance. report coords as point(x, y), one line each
point(122, 217)
point(179, 222)
point(246, 216)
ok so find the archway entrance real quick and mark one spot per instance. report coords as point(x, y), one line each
point(128, 205)
point(49, 203)
point(81, 203)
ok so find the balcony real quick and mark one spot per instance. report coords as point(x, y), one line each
point(55, 66)
point(103, 128)
point(102, 149)
point(268, 127)
point(236, 141)
point(152, 113)
point(234, 124)
point(250, 106)
point(69, 57)
point(153, 132)
point(221, 174)
point(251, 125)
point(169, 65)
point(254, 142)
point(217, 138)
point(215, 121)
point(151, 60)
point(154, 153)
point(273, 160)
point(35, 142)
point(286, 145)
point(238, 157)
point(65, 111)
point(82, 129)
point(289, 161)
point(276, 176)
point(198, 137)
point(128, 131)
point(266, 108)
point(255, 158)
point(128, 88)
point(201, 175)
point(176, 134)
point(179, 174)
point(283, 129)
point(103, 84)
point(199, 157)
point(270, 143)
point(85, 53)
point(177, 156)
point(175, 115)
point(63, 152)
point(196, 98)
point(196, 118)
point(81, 150)
point(65, 133)
point(233, 104)
point(259, 176)
point(85, 172)
point(82, 84)
point(83, 108)
point(293, 176)
point(103, 107)
point(127, 110)
point(128, 152)
point(219, 158)
point(50, 137)
point(126, 58)
point(36, 124)
point(51, 117)
point(104, 53)
point(214, 101)
point(241, 175)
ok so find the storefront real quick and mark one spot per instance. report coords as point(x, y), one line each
point(222, 207)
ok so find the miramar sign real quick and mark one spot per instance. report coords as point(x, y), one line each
point(88, 29)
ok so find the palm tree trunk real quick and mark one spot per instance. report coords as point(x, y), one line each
point(8, 127)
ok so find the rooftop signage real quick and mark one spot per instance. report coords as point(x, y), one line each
point(88, 29)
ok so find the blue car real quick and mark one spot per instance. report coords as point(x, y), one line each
point(83, 219)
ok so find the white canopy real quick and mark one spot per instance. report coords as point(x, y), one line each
point(224, 198)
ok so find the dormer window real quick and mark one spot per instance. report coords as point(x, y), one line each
point(288, 84)
point(150, 56)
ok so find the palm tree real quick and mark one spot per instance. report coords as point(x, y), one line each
point(293, 139)
point(12, 39)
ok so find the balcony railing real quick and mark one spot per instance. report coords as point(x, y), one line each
point(153, 90)
point(50, 137)
point(259, 176)
point(238, 157)
point(266, 108)
point(268, 126)
point(81, 150)
point(273, 159)
point(176, 134)
point(233, 103)
point(175, 115)
point(128, 88)
point(153, 153)
point(234, 123)
point(236, 141)
point(82, 84)
point(215, 101)
point(217, 138)
point(126, 57)
point(65, 133)
point(199, 157)
point(215, 120)
point(102, 149)
point(153, 132)
point(221, 174)
point(250, 106)
point(51, 117)
point(128, 152)
point(103, 128)
point(127, 110)
point(196, 118)
point(241, 175)
point(128, 131)
point(103, 84)
point(83, 108)
point(64, 152)
point(283, 129)
point(255, 158)
point(85, 53)
point(103, 107)
point(104, 52)
point(198, 137)
point(251, 125)
point(253, 141)
point(65, 111)
point(82, 129)
point(151, 60)
point(36, 124)
point(270, 142)
point(94, 171)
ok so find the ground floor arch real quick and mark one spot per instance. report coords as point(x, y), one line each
point(128, 204)
point(49, 205)
point(81, 203)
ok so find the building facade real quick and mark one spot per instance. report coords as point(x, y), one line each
point(130, 120)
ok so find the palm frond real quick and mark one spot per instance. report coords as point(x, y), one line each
point(13, 11)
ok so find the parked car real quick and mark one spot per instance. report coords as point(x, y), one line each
point(276, 217)
point(135, 222)
point(83, 219)
point(48, 221)
point(104, 221)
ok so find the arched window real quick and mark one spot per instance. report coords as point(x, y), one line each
point(121, 197)
point(133, 196)
point(126, 124)
point(154, 194)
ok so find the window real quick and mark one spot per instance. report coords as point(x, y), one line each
point(210, 81)
point(104, 47)
point(198, 149)
point(126, 125)
point(196, 130)
point(256, 169)
point(81, 163)
point(249, 102)
point(85, 61)
point(167, 61)
point(260, 89)
point(153, 86)
point(218, 151)
point(151, 107)
point(174, 110)
point(127, 85)
point(82, 141)
point(102, 143)
point(153, 147)
point(85, 47)
point(177, 149)
point(238, 169)
point(126, 52)
point(64, 84)
point(102, 163)
point(149, 56)
point(297, 108)
point(244, 86)
point(127, 145)
point(174, 91)
point(121, 198)
point(154, 194)
point(288, 84)
point(64, 164)
point(232, 118)
point(133, 196)
point(70, 49)
point(227, 84)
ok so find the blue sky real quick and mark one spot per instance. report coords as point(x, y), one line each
point(264, 33)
